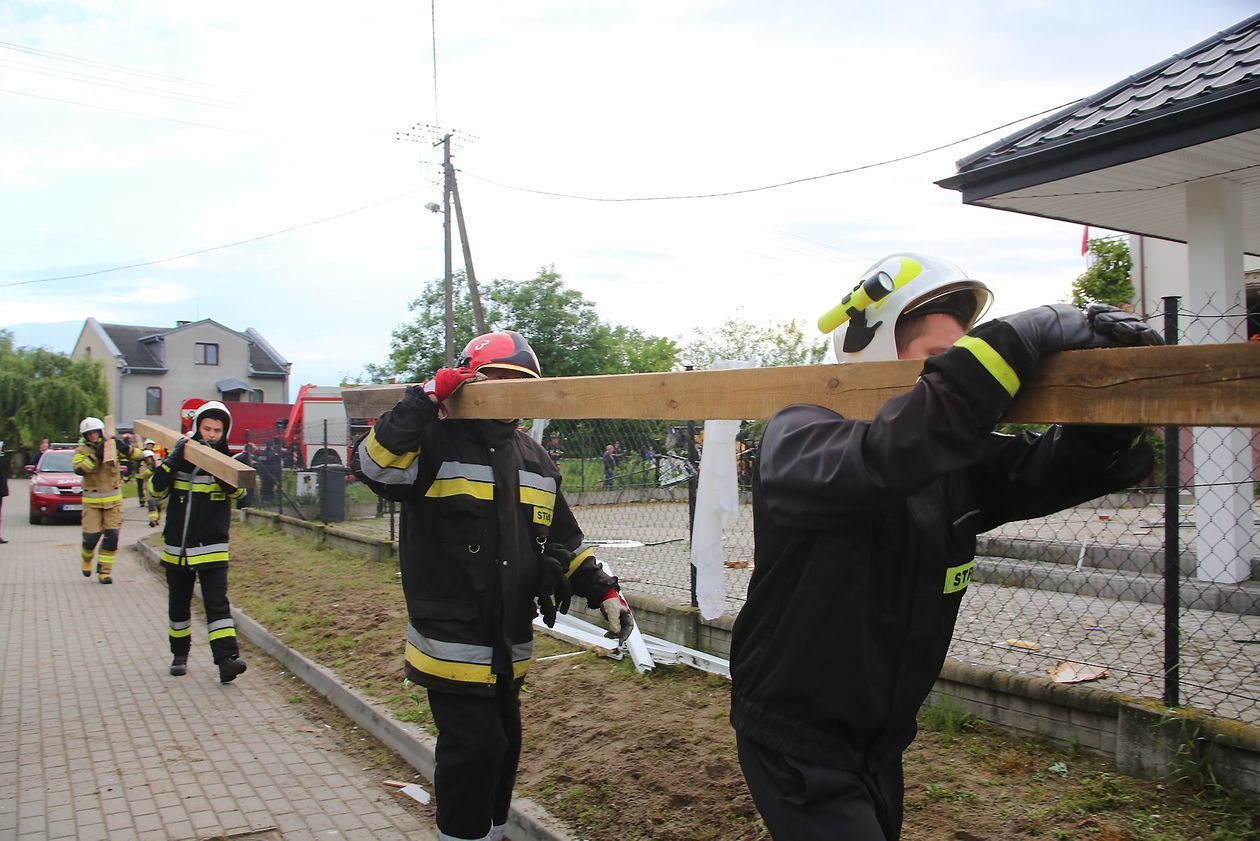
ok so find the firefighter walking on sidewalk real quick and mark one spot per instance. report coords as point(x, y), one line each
point(102, 497)
point(199, 512)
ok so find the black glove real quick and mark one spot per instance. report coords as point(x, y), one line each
point(554, 592)
point(177, 452)
point(99, 449)
point(1123, 328)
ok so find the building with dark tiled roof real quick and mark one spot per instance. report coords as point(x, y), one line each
point(150, 371)
point(1171, 155)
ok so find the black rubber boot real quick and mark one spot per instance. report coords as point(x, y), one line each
point(179, 666)
point(229, 668)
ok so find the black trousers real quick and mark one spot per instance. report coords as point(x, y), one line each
point(801, 801)
point(478, 748)
point(214, 584)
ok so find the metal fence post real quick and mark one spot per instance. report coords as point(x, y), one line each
point(693, 483)
point(1172, 535)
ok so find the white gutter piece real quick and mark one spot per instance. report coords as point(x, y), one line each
point(583, 633)
point(670, 653)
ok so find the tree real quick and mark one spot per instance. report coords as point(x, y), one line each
point(769, 344)
point(560, 323)
point(1106, 281)
point(44, 394)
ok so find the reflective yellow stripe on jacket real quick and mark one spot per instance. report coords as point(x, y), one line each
point(461, 662)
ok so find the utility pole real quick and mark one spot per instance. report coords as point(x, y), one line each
point(479, 318)
point(448, 287)
point(450, 191)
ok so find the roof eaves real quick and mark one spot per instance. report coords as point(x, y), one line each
point(1102, 96)
point(1229, 112)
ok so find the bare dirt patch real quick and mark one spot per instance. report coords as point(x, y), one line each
point(619, 755)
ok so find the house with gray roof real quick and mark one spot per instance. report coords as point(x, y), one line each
point(150, 371)
point(1170, 153)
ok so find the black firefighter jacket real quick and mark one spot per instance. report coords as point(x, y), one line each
point(480, 502)
point(865, 535)
point(198, 514)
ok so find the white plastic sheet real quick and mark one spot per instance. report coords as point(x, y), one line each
point(717, 505)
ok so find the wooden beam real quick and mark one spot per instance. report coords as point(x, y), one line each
point(111, 449)
point(210, 460)
point(1186, 385)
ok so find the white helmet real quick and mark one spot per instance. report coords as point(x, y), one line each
point(149, 444)
point(148, 454)
point(89, 424)
point(214, 409)
point(864, 322)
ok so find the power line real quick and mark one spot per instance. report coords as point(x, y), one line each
point(117, 84)
point(118, 68)
point(132, 113)
point(765, 187)
point(433, 30)
point(218, 247)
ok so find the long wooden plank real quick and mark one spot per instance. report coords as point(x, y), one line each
point(210, 460)
point(1187, 385)
point(111, 448)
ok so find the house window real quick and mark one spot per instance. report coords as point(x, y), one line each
point(153, 400)
point(206, 353)
point(256, 396)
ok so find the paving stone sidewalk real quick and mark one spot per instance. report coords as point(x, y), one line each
point(98, 741)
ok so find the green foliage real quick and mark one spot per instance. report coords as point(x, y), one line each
point(560, 324)
point(947, 717)
point(769, 344)
point(1106, 281)
point(44, 394)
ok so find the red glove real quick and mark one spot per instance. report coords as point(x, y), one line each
point(446, 381)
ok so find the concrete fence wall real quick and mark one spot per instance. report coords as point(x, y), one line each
point(1142, 737)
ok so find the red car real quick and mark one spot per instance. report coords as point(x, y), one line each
point(56, 490)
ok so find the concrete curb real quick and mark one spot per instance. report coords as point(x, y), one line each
point(527, 821)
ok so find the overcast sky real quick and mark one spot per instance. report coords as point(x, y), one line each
point(132, 131)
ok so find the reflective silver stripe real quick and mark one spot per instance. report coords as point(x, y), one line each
point(101, 494)
point(179, 626)
point(458, 652)
point(460, 470)
point(195, 551)
point(534, 480)
point(462, 652)
point(199, 479)
point(222, 623)
point(386, 475)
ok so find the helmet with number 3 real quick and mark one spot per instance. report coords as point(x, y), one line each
point(503, 349)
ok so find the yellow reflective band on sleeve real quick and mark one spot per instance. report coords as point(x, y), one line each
point(535, 496)
point(458, 487)
point(957, 578)
point(579, 557)
point(992, 362)
point(221, 633)
point(383, 457)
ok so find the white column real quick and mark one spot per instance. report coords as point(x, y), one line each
point(1222, 457)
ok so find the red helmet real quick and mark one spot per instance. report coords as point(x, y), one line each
point(504, 349)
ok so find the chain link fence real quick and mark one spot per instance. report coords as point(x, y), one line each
point(1157, 585)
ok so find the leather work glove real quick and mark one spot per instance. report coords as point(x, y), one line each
point(446, 381)
point(99, 449)
point(617, 612)
point(1124, 328)
point(554, 592)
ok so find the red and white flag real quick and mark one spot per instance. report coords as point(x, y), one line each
point(1085, 241)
